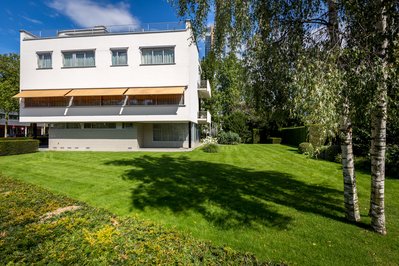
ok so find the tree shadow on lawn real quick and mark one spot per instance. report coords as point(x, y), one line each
point(225, 195)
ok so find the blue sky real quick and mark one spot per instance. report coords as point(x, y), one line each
point(35, 15)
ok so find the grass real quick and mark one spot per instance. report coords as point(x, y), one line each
point(265, 199)
point(85, 235)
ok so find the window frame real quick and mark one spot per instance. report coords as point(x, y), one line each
point(41, 53)
point(163, 48)
point(117, 50)
point(74, 58)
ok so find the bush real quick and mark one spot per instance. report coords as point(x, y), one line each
point(20, 146)
point(392, 161)
point(237, 122)
point(329, 153)
point(209, 140)
point(293, 135)
point(273, 140)
point(306, 148)
point(229, 138)
point(211, 148)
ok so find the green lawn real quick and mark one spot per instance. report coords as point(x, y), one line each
point(266, 199)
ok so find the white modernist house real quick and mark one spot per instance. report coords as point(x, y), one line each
point(99, 89)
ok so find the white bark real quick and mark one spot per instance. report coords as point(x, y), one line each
point(378, 135)
point(348, 168)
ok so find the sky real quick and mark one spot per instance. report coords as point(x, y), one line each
point(52, 15)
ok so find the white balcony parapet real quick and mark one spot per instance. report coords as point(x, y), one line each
point(109, 30)
point(204, 89)
point(204, 117)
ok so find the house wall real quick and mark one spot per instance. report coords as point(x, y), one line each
point(185, 72)
point(94, 139)
point(147, 133)
point(116, 139)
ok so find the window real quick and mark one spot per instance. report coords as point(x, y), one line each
point(127, 125)
point(157, 56)
point(173, 99)
point(46, 102)
point(44, 60)
point(65, 125)
point(98, 100)
point(169, 132)
point(99, 125)
point(119, 57)
point(79, 59)
point(86, 100)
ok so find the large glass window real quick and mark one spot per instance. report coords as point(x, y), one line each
point(170, 132)
point(157, 56)
point(173, 99)
point(99, 125)
point(79, 59)
point(44, 60)
point(98, 100)
point(119, 57)
point(46, 102)
point(86, 100)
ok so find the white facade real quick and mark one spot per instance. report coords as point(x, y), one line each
point(183, 73)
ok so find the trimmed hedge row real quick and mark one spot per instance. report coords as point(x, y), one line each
point(20, 146)
point(273, 140)
point(293, 135)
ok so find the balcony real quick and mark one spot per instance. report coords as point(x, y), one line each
point(204, 117)
point(204, 89)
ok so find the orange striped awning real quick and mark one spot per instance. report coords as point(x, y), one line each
point(155, 91)
point(96, 92)
point(41, 93)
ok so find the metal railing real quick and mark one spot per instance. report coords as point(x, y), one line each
point(203, 83)
point(112, 29)
point(203, 114)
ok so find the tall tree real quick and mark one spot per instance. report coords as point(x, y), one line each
point(351, 200)
point(9, 85)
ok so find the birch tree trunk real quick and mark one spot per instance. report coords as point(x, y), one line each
point(351, 201)
point(378, 135)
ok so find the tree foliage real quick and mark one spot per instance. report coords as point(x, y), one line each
point(9, 84)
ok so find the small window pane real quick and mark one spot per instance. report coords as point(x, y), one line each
point(146, 56)
point(119, 57)
point(90, 61)
point(169, 56)
point(68, 60)
point(44, 60)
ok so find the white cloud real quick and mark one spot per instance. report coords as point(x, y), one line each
point(89, 13)
point(32, 20)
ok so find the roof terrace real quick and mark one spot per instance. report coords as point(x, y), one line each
point(109, 30)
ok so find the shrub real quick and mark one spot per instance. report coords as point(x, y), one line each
point(211, 148)
point(273, 140)
point(12, 147)
point(392, 161)
point(329, 153)
point(209, 140)
point(229, 138)
point(293, 135)
point(237, 122)
point(306, 148)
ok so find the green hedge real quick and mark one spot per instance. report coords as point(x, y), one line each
point(273, 140)
point(18, 146)
point(293, 135)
